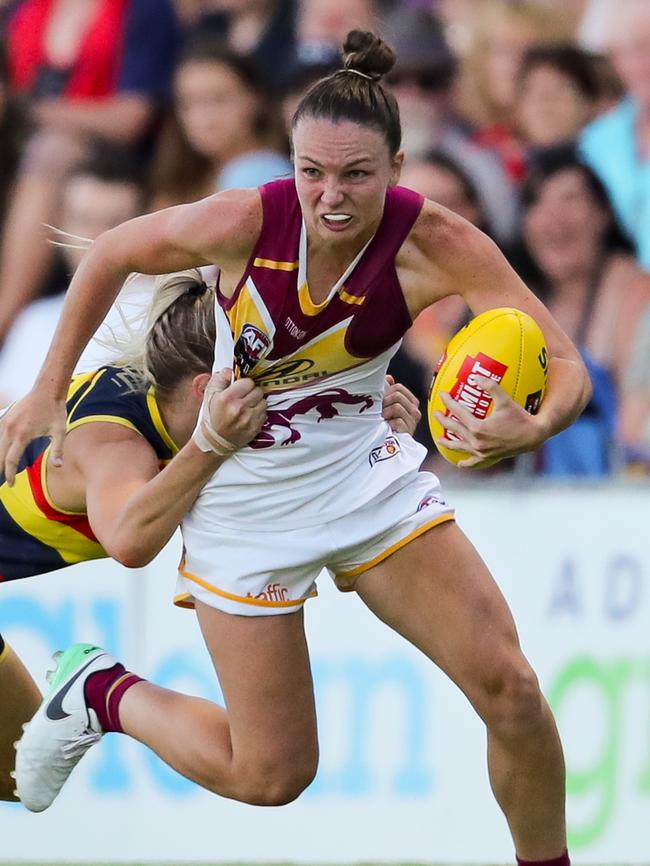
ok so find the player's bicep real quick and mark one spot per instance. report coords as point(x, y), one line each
point(486, 280)
point(114, 465)
point(215, 230)
point(457, 258)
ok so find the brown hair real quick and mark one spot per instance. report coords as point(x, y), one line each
point(355, 92)
point(567, 59)
point(179, 173)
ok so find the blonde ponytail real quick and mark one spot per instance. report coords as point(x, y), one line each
point(174, 337)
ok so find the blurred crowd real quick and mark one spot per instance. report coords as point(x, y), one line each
point(530, 118)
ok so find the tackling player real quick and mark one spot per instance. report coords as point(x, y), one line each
point(125, 424)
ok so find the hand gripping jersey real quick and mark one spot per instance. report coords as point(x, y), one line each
point(324, 449)
point(35, 535)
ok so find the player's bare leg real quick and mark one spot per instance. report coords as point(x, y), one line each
point(19, 700)
point(264, 749)
point(438, 593)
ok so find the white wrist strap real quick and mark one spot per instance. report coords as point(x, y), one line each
point(207, 439)
point(205, 436)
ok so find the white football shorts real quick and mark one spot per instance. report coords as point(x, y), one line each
point(261, 571)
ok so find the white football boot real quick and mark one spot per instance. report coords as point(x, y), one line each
point(62, 729)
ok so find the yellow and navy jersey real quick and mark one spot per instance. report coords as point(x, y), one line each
point(36, 536)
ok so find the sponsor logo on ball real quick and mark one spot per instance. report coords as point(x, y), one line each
point(533, 402)
point(467, 392)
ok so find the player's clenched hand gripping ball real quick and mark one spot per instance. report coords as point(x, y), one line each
point(505, 346)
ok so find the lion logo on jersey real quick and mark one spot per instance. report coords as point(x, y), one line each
point(250, 348)
point(324, 403)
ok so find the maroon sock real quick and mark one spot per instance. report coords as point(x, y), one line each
point(104, 691)
point(563, 860)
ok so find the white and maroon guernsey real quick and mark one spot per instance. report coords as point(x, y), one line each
point(324, 449)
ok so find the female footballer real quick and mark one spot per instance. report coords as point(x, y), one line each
point(110, 498)
point(321, 277)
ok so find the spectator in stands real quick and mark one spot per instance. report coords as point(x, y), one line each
point(560, 89)
point(422, 78)
point(438, 176)
point(456, 17)
point(263, 30)
point(188, 12)
point(321, 28)
point(502, 32)
point(13, 129)
point(423, 81)
point(459, 14)
point(617, 145)
point(300, 77)
point(559, 92)
point(98, 195)
point(94, 72)
point(578, 260)
point(224, 130)
point(322, 25)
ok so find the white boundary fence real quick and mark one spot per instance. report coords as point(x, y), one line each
point(402, 775)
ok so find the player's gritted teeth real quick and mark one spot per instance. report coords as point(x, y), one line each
point(336, 221)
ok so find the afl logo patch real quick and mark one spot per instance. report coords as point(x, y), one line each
point(250, 348)
point(389, 449)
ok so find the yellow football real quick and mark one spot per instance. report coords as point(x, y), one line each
point(503, 344)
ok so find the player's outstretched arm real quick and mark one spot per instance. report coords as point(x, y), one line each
point(220, 229)
point(447, 255)
point(134, 508)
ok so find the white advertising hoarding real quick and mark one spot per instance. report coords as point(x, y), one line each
point(402, 774)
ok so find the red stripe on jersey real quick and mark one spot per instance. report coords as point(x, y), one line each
point(79, 522)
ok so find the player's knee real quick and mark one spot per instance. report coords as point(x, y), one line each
point(283, 788)
point(513, 702)
point(278, 783)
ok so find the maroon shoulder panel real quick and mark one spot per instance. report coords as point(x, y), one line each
point(371, 297)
